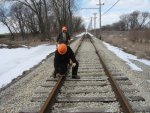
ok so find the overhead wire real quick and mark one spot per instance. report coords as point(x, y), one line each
point(110, 8)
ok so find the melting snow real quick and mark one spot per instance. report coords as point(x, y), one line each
point(127, 57)
point(14, 61)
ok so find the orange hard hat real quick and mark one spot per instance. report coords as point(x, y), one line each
point(62, 48)
point(64, 28)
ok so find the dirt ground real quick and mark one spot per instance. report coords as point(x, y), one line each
point(122, 40)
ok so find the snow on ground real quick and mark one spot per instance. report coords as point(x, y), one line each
point(3, 45)
point(90, 34)
point(81, 34)
point(14, 61)
point(127, 57)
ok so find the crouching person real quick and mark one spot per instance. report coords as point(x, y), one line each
point(62, 58)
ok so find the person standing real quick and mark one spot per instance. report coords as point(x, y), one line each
point(63, 37)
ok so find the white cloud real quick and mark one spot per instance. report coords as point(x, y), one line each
point(134, 4)
point(111, 18)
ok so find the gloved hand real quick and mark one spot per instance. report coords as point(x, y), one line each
point(73, 64)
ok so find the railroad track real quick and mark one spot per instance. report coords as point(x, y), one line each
point(98, 90)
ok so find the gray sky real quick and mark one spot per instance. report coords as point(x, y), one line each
point(122, 7)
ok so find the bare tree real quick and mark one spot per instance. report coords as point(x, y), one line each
point(133, 20)
point(4, 18)
point(17, 14)
point(31, 21)
point(41, 16)
point(77, 22)
point(143, 18)
point(125, 19)
point(63, 10)
point(39, 7)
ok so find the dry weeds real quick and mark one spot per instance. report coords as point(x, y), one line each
point(122, 40)
point(32, 41)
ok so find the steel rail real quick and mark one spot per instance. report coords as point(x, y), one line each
point(126, 107)
point(51, 98)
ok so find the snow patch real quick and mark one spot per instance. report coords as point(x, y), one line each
point(80, 35)
point(3, 45)
point(148, 81)
point(126, 57)
point(90, 34)
point(26, 46)
point(14, 61)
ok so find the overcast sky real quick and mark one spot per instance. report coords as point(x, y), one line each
point(122, 7)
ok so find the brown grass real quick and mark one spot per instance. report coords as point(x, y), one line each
point(122, 40)
point(32, 40)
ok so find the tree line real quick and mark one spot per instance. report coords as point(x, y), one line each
point(136, 23)
point(42, 17)
point(136, 20)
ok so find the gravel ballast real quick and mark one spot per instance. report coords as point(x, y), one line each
point(138, 79)
point(20, 93)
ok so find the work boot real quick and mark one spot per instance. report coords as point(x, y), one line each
point(75, 77)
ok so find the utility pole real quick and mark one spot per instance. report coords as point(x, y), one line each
point(99, 15)
point(95, 22)
point(100, 18)
point(90, 26)
point(91, 23)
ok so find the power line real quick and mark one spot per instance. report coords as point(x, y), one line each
point(110, 7)
point(99, 15)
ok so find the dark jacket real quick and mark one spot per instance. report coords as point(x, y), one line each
point(60, 39)
point(61, 61)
